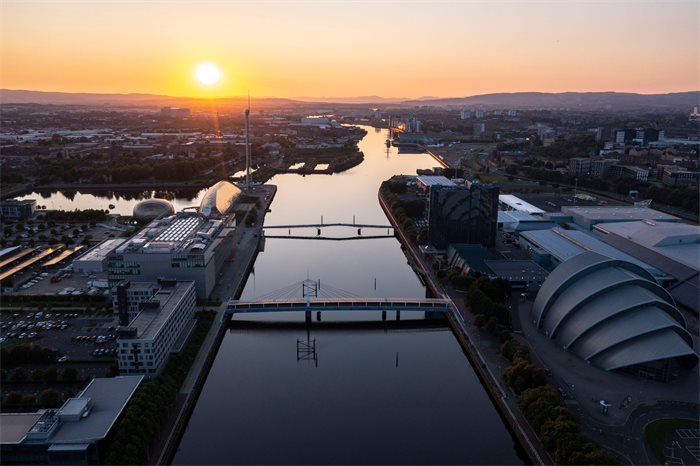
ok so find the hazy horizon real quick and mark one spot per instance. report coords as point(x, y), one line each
point(295, 49)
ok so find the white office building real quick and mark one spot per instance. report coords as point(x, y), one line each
point(160, 328)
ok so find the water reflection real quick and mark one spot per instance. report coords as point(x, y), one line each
point(374, 392)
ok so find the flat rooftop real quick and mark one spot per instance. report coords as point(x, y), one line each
point(429, 180)
point(598, 214)
point(516, 269)
point(99, 252)
point(181, 232)
point(565, 244)
point(679, 242)
point(109, 397)
point(14, 426)
point(149, 322)
point(552, 202)
point(515, 203)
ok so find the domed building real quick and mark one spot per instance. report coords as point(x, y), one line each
point(151, 209)
point(614, 315)
point(219, 199)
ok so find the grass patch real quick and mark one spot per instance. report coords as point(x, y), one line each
point(657, 433)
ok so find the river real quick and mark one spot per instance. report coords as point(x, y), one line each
point(375, 393)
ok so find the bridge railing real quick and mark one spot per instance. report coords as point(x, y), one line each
point(317, 304)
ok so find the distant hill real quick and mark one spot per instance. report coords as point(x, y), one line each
point(11, 96)
point(366, 99)
point(572, 100)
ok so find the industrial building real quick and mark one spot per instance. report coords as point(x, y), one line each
point(74, 434)
point(521, 274)
point(517, 221)
point(589, 216)
point(612, 314)
point(160, 328)
point(551, 247)
point(477, 260)
point(673, 248)
point(463, 215)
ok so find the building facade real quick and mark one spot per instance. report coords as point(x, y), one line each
point(145, 344)
point(17, 210)
point(463, 215)
point(579, 166)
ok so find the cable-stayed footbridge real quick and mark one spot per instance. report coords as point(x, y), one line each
point(309, 295)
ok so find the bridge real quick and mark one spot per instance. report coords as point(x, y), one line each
point(331, 299)
point(320, 236)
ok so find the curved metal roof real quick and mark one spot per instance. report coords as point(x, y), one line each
point(597, 311)
point(151, 209)
point(604, 309)
point(663, 345)
point(219, 199)
point(571, 271)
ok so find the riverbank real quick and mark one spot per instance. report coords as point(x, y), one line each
point(484, 368)
point(230, 284)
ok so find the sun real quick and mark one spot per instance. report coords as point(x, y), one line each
point(208, 74)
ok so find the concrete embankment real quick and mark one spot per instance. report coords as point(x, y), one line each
point(515, 421)
point(238, 269)
point(437, 157)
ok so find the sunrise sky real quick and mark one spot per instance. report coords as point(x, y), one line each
point(350, 48)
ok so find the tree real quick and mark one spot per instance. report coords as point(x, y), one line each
point(28, 400)
point(18, 375)
point(13, 399)
point(69, 375)
point(51, 374)
point(37, 375)
point(50, 398)
point(522, 374)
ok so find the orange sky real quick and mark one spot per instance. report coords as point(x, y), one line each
point(350, 48)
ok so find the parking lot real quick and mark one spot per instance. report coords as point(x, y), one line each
point(77, 336)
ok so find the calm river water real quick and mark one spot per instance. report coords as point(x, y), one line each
point(377, 393)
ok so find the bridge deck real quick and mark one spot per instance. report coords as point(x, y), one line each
point(363, 304)
point(321, 225)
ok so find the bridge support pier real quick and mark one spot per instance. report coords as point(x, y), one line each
point(318, 316)
point(383, 315)
point(398, 315)
point(307, 315)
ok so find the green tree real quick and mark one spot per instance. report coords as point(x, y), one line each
point(51, 374)
point(50, 398)
point(13, 399)
point(19, 375)
point(37, 375)
point(28, 400)
point(69, 375)
point(522, 374)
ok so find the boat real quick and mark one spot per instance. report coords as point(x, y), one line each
point(111, 206)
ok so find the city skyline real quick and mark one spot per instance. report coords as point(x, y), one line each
point(348, 49)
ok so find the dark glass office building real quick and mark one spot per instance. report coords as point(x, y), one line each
point(463, 215)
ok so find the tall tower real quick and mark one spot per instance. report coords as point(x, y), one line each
point(247, 145)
